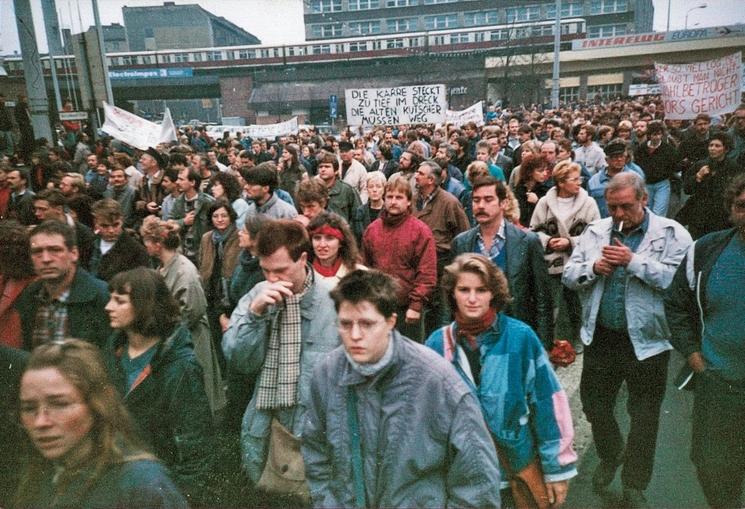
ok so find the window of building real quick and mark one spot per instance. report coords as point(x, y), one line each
point(525, 13)
point(440, 21)
point(364, 27)
point(321, 6)
point(477, 18)
point(568, 94)
point(569, 8)
point(149, 32)
point(606, 30)
point(432, 2)
point(604, 91)
point(401, 3)
point(400, 25)
point(608, 6)
point(362, 5)
point(326, 30)
point(357, 46)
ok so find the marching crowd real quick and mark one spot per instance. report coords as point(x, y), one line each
point(371, 319)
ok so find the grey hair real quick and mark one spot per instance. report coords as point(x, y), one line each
point(435, 169)
point(378, 176)
point(627, 179)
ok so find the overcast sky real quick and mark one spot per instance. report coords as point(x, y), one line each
point(281, 21)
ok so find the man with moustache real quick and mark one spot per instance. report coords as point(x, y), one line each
point(402, 246)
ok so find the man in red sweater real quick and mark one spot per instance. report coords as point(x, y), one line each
point(402, 246)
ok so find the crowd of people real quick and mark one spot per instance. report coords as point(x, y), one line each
point(369, 319)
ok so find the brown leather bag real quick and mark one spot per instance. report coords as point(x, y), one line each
point(528, 488)
point(527, 485)
point(284, 472)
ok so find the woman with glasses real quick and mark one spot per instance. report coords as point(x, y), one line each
point(151, 360)
point(504, 363)
point(531, 186)
point(85, 450)
point(559, 219)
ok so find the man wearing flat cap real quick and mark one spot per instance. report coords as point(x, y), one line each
point(153, 164)
point(617, 158)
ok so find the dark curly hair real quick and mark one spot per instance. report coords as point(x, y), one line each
point(229, 183)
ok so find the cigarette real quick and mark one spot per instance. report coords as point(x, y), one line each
point(620, 226)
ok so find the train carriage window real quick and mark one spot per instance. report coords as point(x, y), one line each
point(147, 59)
point(321, 49)
point(357, 46)
point(438, 40)
point(496, 35)
point(182, 57)
point(197, 56)
point(459, 38)
point(395, 43)
point(214, 55)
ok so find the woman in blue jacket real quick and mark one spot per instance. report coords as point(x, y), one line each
point(504, 363)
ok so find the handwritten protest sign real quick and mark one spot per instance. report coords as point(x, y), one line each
point(712, 87)
point(473, 113)
point(136, 131)
point(419, 104)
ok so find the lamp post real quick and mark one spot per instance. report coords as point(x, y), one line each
point(701, 6)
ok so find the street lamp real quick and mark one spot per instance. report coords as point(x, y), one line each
point(702, 6)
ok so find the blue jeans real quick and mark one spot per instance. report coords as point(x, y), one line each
point(659, 197)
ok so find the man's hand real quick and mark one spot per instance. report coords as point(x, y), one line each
point(152, 207)
point(559, 244)
point(696, 362)
point(557, 493)
point(189, 218)
point(412, 316)
point(617, 254)
point(271, 294)
point(602, 268)
point(224, 322)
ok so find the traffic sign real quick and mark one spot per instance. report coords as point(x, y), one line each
point(333, 106)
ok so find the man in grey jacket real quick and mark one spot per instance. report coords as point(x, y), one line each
point(389, 423)
point(620, 267)
point(279, 332)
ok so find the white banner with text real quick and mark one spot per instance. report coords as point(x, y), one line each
point(713, 87)
point(418, 104)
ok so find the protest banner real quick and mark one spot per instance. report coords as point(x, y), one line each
point(418, 104)
point(136, 131)
point(711, 87)
point(255, 130)
point(473, 113)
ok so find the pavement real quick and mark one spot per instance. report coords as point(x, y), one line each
point(674, 484)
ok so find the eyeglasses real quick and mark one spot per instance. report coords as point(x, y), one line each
point(364, 326)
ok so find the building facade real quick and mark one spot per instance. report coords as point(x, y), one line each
point(326, 19)
point(172, 26)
